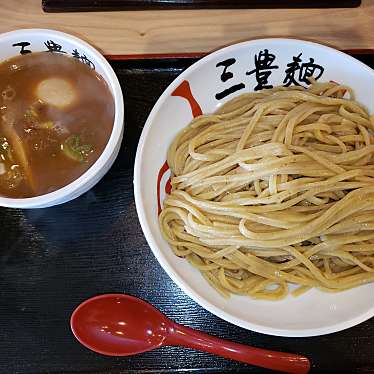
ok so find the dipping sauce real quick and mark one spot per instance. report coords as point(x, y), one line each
point(56, 117)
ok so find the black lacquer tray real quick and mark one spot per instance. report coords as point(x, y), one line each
point(52, 259)
point(113, 5)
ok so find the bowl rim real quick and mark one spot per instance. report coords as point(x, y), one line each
point(161, 258)
point(71, 190)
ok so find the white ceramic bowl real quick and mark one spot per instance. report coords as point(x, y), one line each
point(315, 312)
point(37, 39)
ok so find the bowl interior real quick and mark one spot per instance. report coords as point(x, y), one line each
point(203, 87)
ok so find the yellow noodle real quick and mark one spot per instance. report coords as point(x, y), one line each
point(276, 188)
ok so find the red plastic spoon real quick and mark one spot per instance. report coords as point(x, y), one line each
point(123, 325)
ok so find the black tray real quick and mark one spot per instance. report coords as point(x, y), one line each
point(113, 5)
point(52, 259)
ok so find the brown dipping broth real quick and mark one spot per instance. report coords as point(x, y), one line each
point(44, 147)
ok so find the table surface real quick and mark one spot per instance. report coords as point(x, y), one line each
point(52, 259)
point(150, 32)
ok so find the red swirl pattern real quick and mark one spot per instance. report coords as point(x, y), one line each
point(184, 91)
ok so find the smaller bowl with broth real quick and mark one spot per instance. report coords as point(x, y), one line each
point(61, 118)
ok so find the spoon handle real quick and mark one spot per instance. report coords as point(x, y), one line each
point(190, 338)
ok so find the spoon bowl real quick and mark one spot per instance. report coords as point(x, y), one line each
point(118, 325)
point(123, 325)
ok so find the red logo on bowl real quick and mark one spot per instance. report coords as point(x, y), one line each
point(163, 183)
